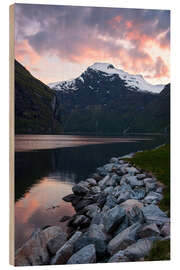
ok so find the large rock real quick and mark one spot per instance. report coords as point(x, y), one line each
point(119, 172)
point(123, 225)
point(139, 193)
point(105, 209)
point(85, 240)
point(132, 180)
point(140, 176)
point(124, 196)
point(124, 167)
point(97, 231)
point(91, 181)
point(123, 239)
point(84, 256)
point(118, 257)
point(101, 172)
point(118, 190)
point(69, 198)
point(84, 184)
point(34, 251)
point(134, 215)
point(92, 210)
point(97, 219)
point(131, 203)
point(102, 183)
point(149, 230)
point(113, 217)
point(153, 197)
point(65, 218)
point(97, 177)
point(153, 214)
point(56, 240)
point(148, 180)
point(132, 170)
point(108, 167)
point(150, 186)
point(114, 160)
point(111, 201)
point(77, 200)
point(108, 190)
point(124, 178)
point(101, 199)
point(83, 203)
point(79, 220)
point(165, 230)
point(138, 250)
point(113, 181)
point(53, 231)
point(66, 251)
point(159, 190)
point(80, 189)
point(96, 189)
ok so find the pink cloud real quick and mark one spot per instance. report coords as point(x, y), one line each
point(23, 50)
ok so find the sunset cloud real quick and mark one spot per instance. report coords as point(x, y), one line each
point(135, 40)
point(24, 52)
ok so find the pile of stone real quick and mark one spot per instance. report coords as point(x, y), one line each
point(117, 219)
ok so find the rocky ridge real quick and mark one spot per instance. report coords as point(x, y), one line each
point(134, 82)
point(117, 220)
point(104, 92)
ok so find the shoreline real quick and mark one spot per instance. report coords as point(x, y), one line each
point(42, 142)
point(117, 219)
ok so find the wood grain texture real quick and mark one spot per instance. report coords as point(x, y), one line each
point(11, 135)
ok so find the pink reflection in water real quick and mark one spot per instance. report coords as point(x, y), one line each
point(41, 206)
point(35, 142)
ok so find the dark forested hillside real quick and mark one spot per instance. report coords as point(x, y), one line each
point(156, 115)
point(95, 102)
point(34, 112)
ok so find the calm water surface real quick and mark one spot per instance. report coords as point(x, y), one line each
point(43, 177)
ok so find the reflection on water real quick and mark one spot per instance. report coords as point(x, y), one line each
point(39, 142)
point(41, 206)
point(43, 177)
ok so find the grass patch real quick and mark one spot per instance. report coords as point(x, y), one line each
point(157, 162)
point(160, 251)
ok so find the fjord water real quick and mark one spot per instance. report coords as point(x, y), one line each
point(43, 177)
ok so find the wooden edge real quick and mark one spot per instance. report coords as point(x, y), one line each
point(11, 136)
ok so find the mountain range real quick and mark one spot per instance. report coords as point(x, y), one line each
point(108, 100)
point(102, 99)
point(133, 82)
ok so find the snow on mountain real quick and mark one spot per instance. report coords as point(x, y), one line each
point(63, 85)
point(133, 82)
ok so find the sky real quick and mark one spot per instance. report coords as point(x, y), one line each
point(57, 43)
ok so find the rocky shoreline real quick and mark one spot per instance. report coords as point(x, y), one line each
point(117, 220)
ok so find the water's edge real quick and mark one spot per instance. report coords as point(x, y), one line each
point(136, 209)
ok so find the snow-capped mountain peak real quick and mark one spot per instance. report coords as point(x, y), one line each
point(133, 82)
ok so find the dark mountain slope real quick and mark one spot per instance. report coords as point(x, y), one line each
point(34, 100)
point(156, 115)
point(95, 102)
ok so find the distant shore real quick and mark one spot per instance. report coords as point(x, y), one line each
point(39, 142)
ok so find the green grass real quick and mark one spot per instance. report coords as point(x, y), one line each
point(160, 251)
point(157, 163)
